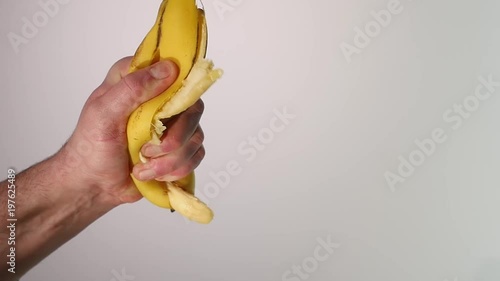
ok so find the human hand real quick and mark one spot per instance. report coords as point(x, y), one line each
point(96, 156)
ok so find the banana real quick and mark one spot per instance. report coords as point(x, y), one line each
point(180, 34)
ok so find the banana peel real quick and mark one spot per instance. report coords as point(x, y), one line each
point(179, 34)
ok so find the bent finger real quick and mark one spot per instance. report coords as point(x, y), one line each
point(186, 169)
point(180, 129)
point(166, 164)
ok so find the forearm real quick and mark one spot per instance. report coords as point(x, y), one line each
point(90, 175)
point(50, 209)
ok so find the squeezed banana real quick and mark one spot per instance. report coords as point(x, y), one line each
point(179, 34)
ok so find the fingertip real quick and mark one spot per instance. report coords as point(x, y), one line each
point(144, 172)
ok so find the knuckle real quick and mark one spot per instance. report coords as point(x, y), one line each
point(198, 137)
point(117, 71)
point(193, 163)
point(98, 92)
point(198, 156)
point(121, 66)
point(174, 143)
point(163, 165)
point(182, 172)
point(92, 107)
point(199, 107)
point(202, 152)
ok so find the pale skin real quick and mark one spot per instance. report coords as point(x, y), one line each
point(90, 175)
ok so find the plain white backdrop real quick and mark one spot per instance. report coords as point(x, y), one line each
point(320, 177)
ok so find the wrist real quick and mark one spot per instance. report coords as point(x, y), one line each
point(53, 208)
point(66, 166)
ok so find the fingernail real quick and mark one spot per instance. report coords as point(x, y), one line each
point(161, 70)
point(147, 175)
point(152, 150)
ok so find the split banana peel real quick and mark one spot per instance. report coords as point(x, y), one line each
point(179, 34)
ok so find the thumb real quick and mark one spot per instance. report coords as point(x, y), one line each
point(137, 88)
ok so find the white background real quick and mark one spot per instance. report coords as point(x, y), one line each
point(321, 176)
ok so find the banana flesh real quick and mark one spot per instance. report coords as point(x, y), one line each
point(180, 34)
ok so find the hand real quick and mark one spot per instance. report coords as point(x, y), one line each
point(96, 155)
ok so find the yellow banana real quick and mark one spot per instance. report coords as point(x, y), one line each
point(179, 34)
